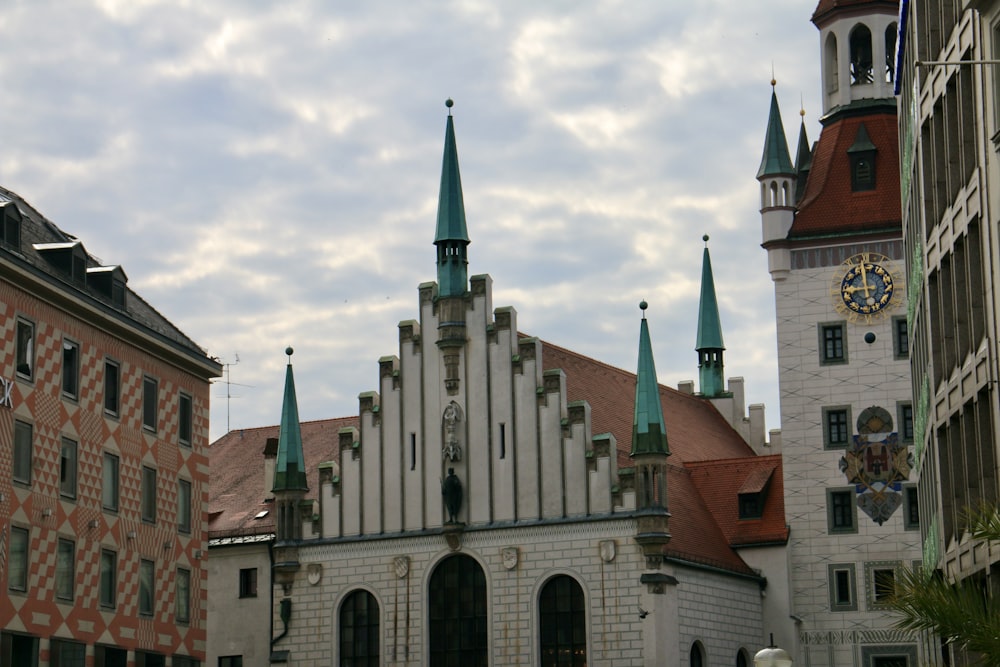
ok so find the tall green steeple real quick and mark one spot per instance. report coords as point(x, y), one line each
point(709, 339)
point(451, 237)
point(803, 160)
point(649, 435)
point(289, 468)
point(775, 159)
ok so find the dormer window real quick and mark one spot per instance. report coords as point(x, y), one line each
point(10, 229)
point(109, 281)
point(751, 506)
point(862, 157)
point(752, 496)
point(69, 257)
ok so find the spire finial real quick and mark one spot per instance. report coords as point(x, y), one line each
point(643, 306)
point(774, 82)
point(449, 103)
point(705, 239)
point(289, 351)
point(802, 107)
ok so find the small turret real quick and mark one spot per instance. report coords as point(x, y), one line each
point(289, 467)
point(803, 160)
point(452, 236)
point(709, 340)
point(777, 182)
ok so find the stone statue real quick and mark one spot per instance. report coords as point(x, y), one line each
point(451, 489)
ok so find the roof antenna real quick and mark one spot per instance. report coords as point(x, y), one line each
point(226, 370)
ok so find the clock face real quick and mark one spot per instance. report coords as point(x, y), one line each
point(864, 291)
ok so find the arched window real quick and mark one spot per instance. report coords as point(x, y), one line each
point(457, 613)
point(890, 53)
point(861, 55)
point(831, 64)
point(741, 658)
point(359, 631)
point(697, 655)
point(562, 623)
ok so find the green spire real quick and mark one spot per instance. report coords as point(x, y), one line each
point(289, 469)
point(451, 237)
point(775, 159)
point(709, 340)
point(803, 160)
point(649, 435)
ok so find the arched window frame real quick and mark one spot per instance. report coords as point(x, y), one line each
point(579, 644)
point(697, 657)
point(861, 55)
point(349, 658)
point(475, 651)
point(831, 64)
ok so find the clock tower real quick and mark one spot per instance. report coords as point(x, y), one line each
point(831, 226)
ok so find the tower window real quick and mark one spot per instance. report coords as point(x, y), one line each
point(833, 349)
point(861, 55)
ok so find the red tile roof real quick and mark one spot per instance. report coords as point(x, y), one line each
point(828, 205)
point(709, 463)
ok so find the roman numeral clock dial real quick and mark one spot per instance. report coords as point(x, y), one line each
point(864, 287)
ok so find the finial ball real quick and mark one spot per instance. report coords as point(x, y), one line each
point(802, 112)
point(643, 305)
point(705, 238)
point(449, 103)
point(774, 82)
point(289, 350)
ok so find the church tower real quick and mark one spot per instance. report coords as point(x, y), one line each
point(832, 230)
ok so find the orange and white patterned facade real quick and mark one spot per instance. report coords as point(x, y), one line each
point(103, 468)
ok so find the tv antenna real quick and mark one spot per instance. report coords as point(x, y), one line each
point(227, 380)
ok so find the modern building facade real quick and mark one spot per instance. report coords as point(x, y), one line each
point(949, 132)
point(833, 234)
point(503, 501)
point(103, 432)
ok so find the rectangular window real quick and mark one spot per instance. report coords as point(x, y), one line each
point(842, 587)
point(109, 579)
point(836, 427)
point(112, 383)
point(17, 568)
point(110, 656)
point(148, 499)
point(184, 420)
point(70, 369)
point(109, 483)
point(146, 572)
point(150, 401)
point(231, 661)
point(906, 422)
point(65, 577)
point(841, 511)
point(900, 338)
point(883, 585)
point(750, 506)
point(832, 344)
point(22, 452)
point(183, 595)
point(183, 506)
point(248, 582)
point(25, 362)
point(911, 508)
point(67, 468)
point(503, 441)
point(64, 653)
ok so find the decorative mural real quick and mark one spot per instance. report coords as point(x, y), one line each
point(877, 465)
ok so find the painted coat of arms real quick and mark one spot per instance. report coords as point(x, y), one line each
point(877, 464)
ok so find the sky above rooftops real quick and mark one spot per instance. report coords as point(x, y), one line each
point(267, 173)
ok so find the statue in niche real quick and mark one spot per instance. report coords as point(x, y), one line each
point(452, 451)
point(451, 489)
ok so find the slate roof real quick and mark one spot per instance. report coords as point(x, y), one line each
point(828, 205)
point(37, 230)
point(709, 463)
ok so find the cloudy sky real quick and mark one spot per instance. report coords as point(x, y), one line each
point(267, 173)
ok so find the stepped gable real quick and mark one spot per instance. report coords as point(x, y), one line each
point(237, 486)
point(828, 205)
point(720, 482)
point(695, 429)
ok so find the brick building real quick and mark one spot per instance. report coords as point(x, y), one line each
point(103, 431)
point(602, 518)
